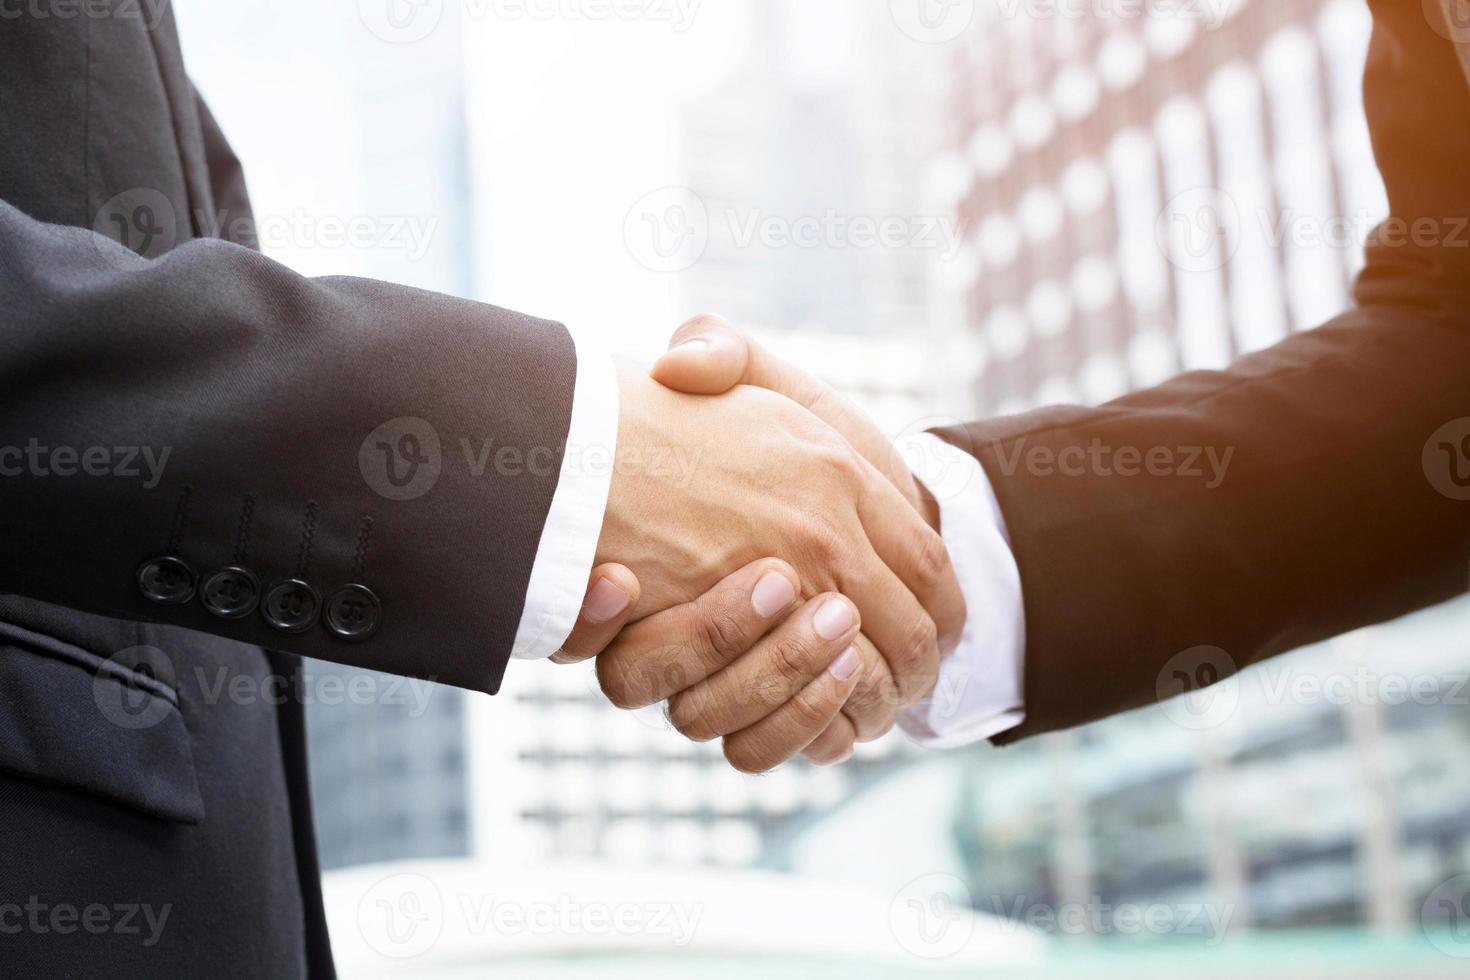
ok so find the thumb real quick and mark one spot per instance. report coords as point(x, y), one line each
point(612, 595)
point(707, 356)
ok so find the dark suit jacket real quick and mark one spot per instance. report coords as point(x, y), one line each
point(1329, 517)
point(132, 594)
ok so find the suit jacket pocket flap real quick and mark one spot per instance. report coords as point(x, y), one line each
point(72, 718)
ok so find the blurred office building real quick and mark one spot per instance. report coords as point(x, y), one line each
point(804, 157)
point(388, 769)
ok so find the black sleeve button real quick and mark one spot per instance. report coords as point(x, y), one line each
point(353, 612)
point(231, 592)
point(166, 580)
point(291, 606)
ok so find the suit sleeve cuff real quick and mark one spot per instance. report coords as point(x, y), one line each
point(979, 693)
point(574, 523)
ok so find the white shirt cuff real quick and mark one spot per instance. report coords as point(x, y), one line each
point(574, 524)
point(979, 694)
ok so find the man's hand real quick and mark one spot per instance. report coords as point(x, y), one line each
point(748, 662)
point(758, 474)
point(708, 356)
point(612, 595)
point(705, 655)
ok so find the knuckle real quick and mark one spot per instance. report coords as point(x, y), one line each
point(823, 402)
point(931, 561)
point(810, 710)
point(873, 707)
point(690, 716)
point(920, 648)
point(790, 662)
point(629, 682)
point(745, 755)
point(719, 635)
point(952, 628)
point(615, 678)
point(768, 690)
point(824, 543)
point(924, 638)
point(840, 460)
point(873, 721)
point(829, 751)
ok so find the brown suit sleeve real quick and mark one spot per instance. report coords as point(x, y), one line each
point(1339, 506)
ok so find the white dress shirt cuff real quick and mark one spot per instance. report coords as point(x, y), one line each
point(979, 694)
point(574, 523)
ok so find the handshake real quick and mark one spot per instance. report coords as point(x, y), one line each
point(794, 594)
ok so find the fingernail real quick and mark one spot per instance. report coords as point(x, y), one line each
point(846, 665)
point(773, 593)
point(833, 619)
point(690, 345)
point(605, 601)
